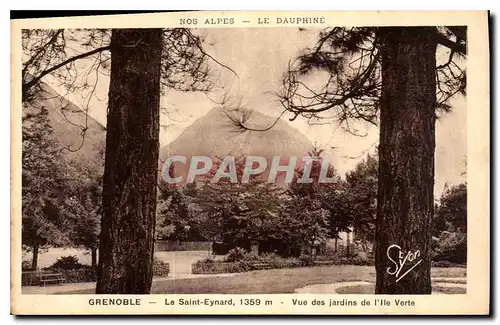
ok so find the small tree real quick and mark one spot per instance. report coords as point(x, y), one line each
point(86, 194)
point(45, 213)
point(177, 217)
point(336, 201)
point(453, 207)
point(362, 199)
point(313, 207)
point(238, 212)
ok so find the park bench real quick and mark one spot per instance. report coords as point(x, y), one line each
point(56, 278)
point(30, 278)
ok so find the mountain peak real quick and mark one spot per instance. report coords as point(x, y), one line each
point(215, 134)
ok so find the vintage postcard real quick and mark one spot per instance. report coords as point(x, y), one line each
point(309, 163)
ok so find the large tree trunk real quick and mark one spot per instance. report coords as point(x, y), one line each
point(406, 163)
point(34, 261)
point(130, 173)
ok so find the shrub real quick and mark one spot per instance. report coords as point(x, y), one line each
point(268, 257)
point(357, 260)
point(252, 256)
point(286, 263)
point(26, 265)
point(85, 274)
point(207, 260)
point(160, 268)
point(241, 261)
point(442, 264)
point(306, 259)
point(451, 247)
point(248, 262)
point(218, 267)
point(446, 264)
point(245, 265)
point(67, 263)
point(236, 254)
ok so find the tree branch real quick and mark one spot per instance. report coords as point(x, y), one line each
point(455, 47)
point(195, 40)
point(42, 49)
point(450, 58)
point(35, 80)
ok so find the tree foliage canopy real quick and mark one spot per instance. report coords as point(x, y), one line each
point(45, 204)
point(349, 61)
point(453, 207)
point(58, 53)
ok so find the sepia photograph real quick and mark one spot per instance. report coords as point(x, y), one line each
point(206, 160)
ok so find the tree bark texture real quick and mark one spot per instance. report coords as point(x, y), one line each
point(34, 261)
point(131, 162)
point(406, 163)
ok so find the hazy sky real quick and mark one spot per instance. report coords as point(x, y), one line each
point(260, 57)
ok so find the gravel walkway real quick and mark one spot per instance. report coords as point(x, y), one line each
point(332, 288)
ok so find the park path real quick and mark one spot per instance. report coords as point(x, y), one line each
point(331, 288)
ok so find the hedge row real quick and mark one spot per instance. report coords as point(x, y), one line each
point(160, 269)
point(447, 264)
point(240, 261)
point(217, 267)
point(70, 276)
point(87, 274)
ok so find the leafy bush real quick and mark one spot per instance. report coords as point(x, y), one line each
point(252, 256)
point(442, 264)
point(451, 247)
point(267, 257)
point(357, 260)
point(67, 263)
point(287, 263)
point(277, 262)
point(26, 265)
point(236, 255)
point(246, 262)
point(216, 267)
point(85, 274)
point(245, 265)
point(207, 260)
point(75, 272)
point(242, 261)
point(306, 259)
point(160, 268)
point(320, 260)
point(240, 266)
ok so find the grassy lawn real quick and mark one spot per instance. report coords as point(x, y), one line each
point(363, 289)
point(276, 281)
